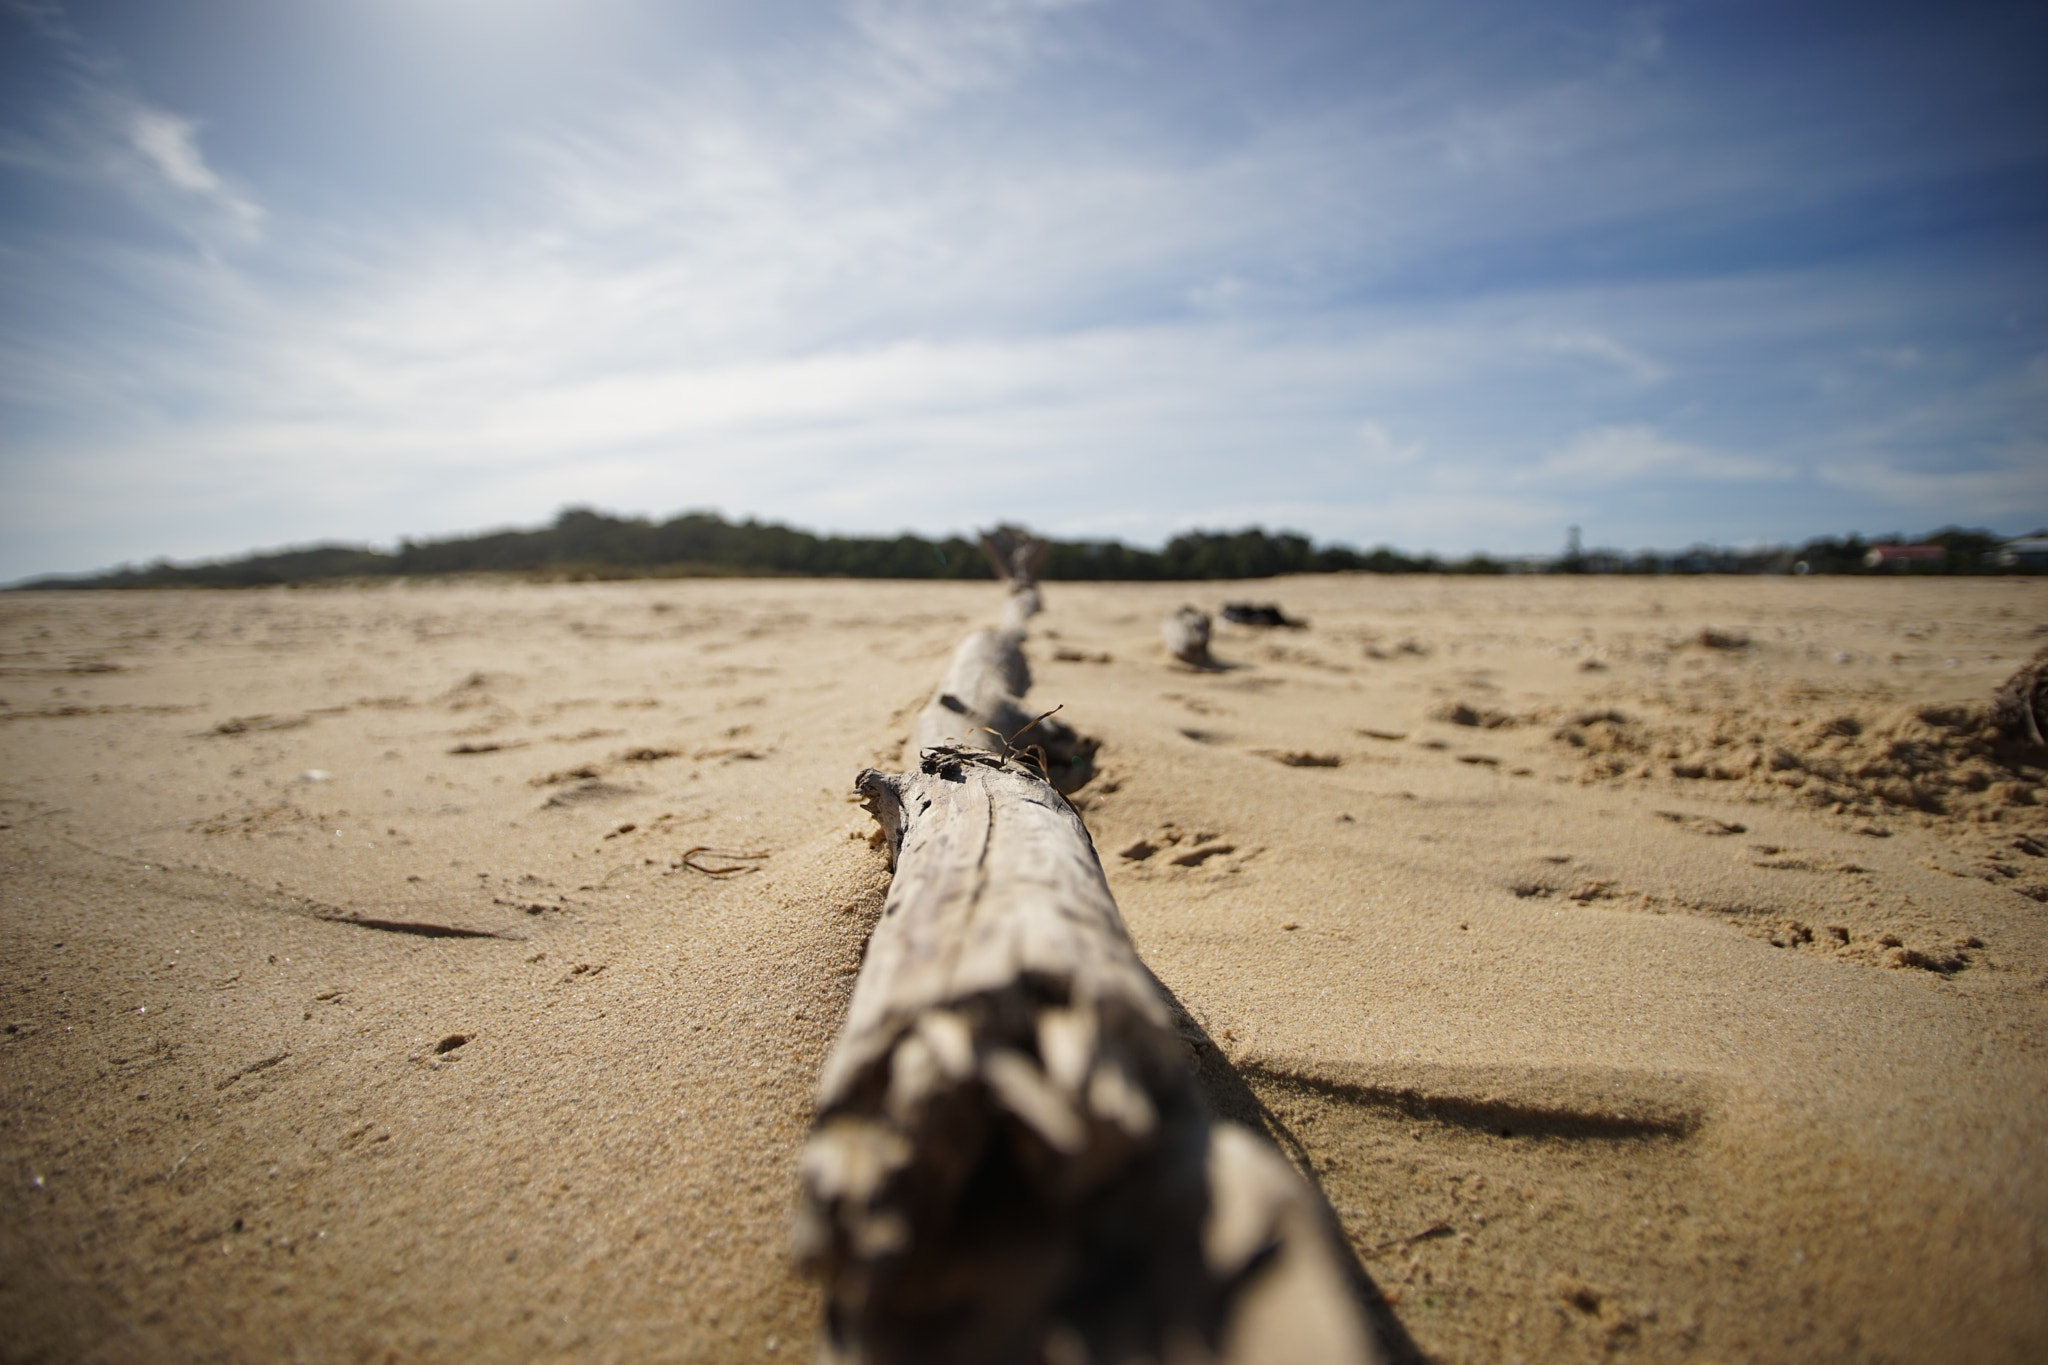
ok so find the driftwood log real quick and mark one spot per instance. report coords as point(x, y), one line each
point(1186, 635)
point(979, 703)
point(1010, 1162)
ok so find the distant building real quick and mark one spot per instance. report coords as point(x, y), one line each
point(2028, 552)
point(1901, 556)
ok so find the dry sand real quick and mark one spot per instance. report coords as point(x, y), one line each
point(1629, 990)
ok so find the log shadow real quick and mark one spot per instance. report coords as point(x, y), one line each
point(1229, 1096)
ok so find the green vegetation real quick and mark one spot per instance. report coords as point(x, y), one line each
point(586, 544)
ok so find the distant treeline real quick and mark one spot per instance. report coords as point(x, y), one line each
point(1969, 552)
point(585, 544)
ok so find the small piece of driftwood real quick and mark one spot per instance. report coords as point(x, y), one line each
point(1259, 614)
point(1010, 1162)
point(1186, 635)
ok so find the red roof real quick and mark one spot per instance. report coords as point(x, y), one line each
point(1894, 554)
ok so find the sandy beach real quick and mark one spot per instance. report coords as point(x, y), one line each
point(1653, 969)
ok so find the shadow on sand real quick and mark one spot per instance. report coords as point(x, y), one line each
point(1229, 1096)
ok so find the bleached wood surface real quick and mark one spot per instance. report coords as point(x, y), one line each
point(1010, 1162)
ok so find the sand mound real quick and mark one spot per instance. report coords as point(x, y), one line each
point(1961, 761)
point(1975, 769)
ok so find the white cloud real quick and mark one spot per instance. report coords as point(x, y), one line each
point(1637, 452)
point(171, 145)
point(1378, 448)
point(199, 199)
point(929, 50)
point(2016, 486)
point(1634, 364)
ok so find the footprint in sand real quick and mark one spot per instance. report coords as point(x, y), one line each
point(1584, 890)
point(1702, 824)
point(1851, 942)
point(1179, 848)
point(586, 773)
point(586, 792)
point(1477, 717)
point(1792, 860)
point(1301, 758)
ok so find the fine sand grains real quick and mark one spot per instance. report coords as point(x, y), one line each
point(440, 971)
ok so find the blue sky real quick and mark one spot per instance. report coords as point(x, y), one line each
point(1449, 276)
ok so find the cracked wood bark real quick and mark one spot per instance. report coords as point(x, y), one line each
point(1010, 1162)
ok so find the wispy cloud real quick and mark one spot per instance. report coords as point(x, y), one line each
point(2016, 482)
point(927, 51)
point(101, 131)
point(1632, 364)
point(1628, 454)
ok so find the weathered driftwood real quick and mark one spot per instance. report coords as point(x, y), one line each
point(2020, 703)
point(1010, 1161)
point(1186, 634)
point(979, 703)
